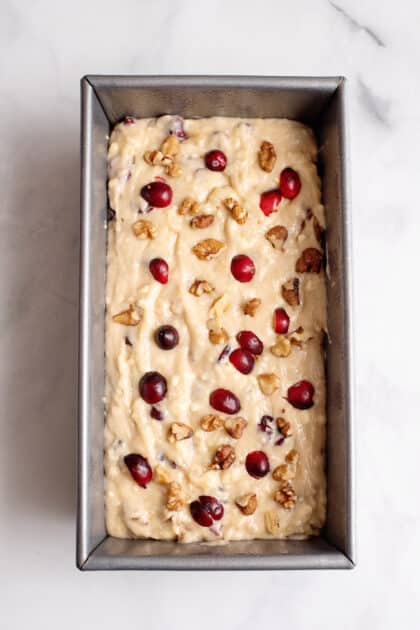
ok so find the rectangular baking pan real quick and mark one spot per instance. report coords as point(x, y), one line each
point(319, 102)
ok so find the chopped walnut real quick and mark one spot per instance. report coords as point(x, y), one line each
point(282, 347)
point(154, 158)
point(218, 335)
point(173, 169)
point(277, 236)
point(219, 306)
point(235, 427)
point(175, 499)
point(131, 317)
point(247, 503)
point(310, 261)
point(272, 524)
point(179, 431)
point(280, 473)
point(250, 307)
point(202, 221)
point(267, 156)
point(199, 287)
point(161, 475)
point(268, 383)
point(284, 427)
point(298, 337)
point(290, 292)
point(170, 145)
point(207, 249)
point(292, 456)
point(286, 496)
point(144, 229)
point(224, 457)
point(188, 206)
point(211, 422)
point(165, 156)
point(238, 213)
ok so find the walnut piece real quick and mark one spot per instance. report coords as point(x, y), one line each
point(284, 427)
point(202, 221)
point(173, 169)
point(290, 292)
point(286, 496)
point(211, 422)
point(280, 473)
point(298, 337)
point(199, 287)
point(235, 427)
point(179, 431)
point(282, 347)
point(272, 524)
point(170, 146)
point(310, 261)
point(144, 229)
point(188, 206)
point(238, 213)
point(277, 236)
point(154, 158)
point(267, 156)
point(207, 249)
point(292, 456)
point(247, 503)
point(250, 307)
point(131, 317)
point(175, 499)
point(161, 475)
point(165, 156)
point(224, 457)
point(268, 383)
point(218, 335)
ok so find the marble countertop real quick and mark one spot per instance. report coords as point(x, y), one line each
point(45, 48)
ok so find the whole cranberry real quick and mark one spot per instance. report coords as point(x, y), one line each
point(225, 401)
point(257, 464)
point(242, 268)
point(166, 337)
point(264, 424)
point(249, 341)
point(139, 468)
point(129, 120)
point(242, 360)
point(301, 395)
point(200, 514)
point(289, 183)
point(159, 270)
point(280, 321)
point(158, 194)
point(212, 506)
point(269, 201)
point(153, 387)
point(215, 160)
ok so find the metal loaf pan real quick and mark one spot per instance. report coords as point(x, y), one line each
point(319, 102)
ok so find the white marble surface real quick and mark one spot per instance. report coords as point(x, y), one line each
point(45, 48)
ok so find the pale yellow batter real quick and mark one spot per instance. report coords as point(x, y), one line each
point(293, 502)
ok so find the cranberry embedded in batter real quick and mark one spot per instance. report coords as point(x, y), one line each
point(264, 425)
point(242, 360)
point(139, 468)
point(242, 268)
point(159, 270)
point(269, 201)
point(200, 514)
point(301, 395)
point(158, 194)
point(166, 337)
point(281, 321)
point(215, 160)
point(156, 413)
point(153, 387)
point(225, 401)
point(249, 341)
point(289, 183)
point(257, 464)
point(212, 506)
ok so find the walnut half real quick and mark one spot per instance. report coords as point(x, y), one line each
point(131, 317)
point(267, 156)
point(188, 206)
point(179, 431)
point(277, 236)
point(218, 335)
point(238, 213)
point(175, 499)
point(310, 261)
point(199, 287)
point(247, 503)
point(224, 457)
point(290, 292)
point(201, 221)
point(207, 249)
point(235, 427)
point(144, 229)
point(251, 306)
point(286, 496)
point(268, 383)
point(211, 422)
point(282, 347)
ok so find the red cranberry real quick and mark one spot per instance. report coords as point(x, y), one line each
point(249, 341)
point(158, 194)
point(166, 337)
point(242, 268)
point(156, 413)
point(153, 387)
point(242, 360)
point(129, 120)
point(301, 395)
point(139, 468)
point(212, 506)
point(257, 464)
point(176, 128)
point(215, 160)
point(159, 270)
point(289, 183)
point(225, 401)
point(281, 321)
point(200, 514)
point(269, 201)
point(264, 424)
